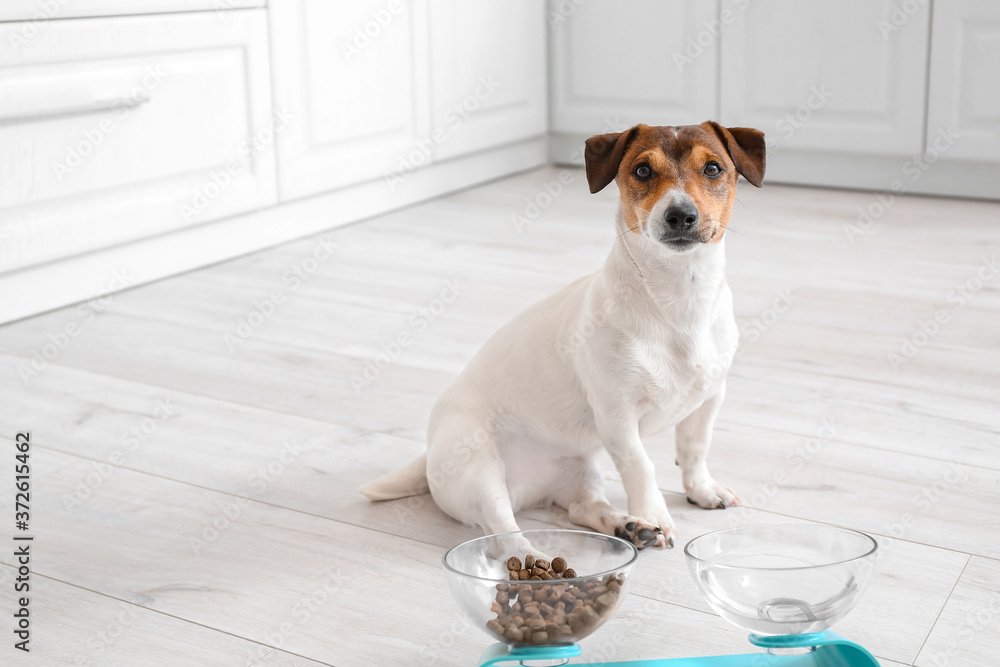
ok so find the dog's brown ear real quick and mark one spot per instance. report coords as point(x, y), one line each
point(602, 154)
point(746, 148)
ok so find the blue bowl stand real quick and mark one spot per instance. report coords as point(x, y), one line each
point(830, 650)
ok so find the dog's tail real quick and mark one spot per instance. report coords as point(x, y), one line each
point(410, 480)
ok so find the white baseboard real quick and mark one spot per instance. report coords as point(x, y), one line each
point(947, 178)
point(41, 288)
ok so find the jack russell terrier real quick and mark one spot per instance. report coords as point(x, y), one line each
point(640, 346)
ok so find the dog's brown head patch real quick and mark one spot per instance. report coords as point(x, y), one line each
point(659, 169)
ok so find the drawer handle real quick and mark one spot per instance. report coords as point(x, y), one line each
point(100, 104)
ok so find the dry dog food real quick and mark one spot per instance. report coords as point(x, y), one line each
point(550, 613)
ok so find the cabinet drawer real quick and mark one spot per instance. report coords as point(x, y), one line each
point(119, 128)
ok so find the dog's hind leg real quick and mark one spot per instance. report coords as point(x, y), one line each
point(467, 475)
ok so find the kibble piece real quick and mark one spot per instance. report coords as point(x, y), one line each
point(494, 626)
point(544, 564)
point(537, 571)
point(606, 601)
point(512, 575)
point(569, 573)
point(588, 616)
point(536, 623)
point(503, 598)
point(558, 564)
point(502, 587)
point(546, 576)
point(535, 577)
point(529, 562)
point(495, 608)
point(514, 563)
point(564, 631)
point(539, 637)
point(614, 586)
point(513, 633)
point(523, 575)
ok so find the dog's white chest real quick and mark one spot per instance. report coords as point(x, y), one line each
point(679, 373)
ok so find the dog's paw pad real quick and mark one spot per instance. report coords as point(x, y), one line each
point(643, 534)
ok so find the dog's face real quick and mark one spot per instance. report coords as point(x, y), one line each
point(677, 184)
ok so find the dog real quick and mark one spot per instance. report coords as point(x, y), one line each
point(642, 345)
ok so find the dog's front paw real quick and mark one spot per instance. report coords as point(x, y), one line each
point(644, 534)
point(712, 496)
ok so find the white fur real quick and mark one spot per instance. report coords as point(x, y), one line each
point(640, 346)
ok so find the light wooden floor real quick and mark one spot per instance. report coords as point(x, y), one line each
point(230, 532)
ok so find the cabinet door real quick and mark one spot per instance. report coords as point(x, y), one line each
point(616, 64)
point(487, 73)
point(963, 115)
point(837, 76)
point(116, 129)
point(346, 72)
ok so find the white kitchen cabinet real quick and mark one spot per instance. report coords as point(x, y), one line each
point(346, 72)
point(826, 76)
point(381, 89)
point(487, 81)
point(964, 101)
point(117, 129)
point(616, 64)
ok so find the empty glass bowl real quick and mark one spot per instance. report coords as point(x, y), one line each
point(542, 612)
point(782, 579)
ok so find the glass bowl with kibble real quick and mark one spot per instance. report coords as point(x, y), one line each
point(544, 587)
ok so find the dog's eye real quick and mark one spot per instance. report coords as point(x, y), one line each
point(643, 172)
point(712, 169)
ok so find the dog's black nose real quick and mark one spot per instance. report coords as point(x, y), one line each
point(681, 217)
